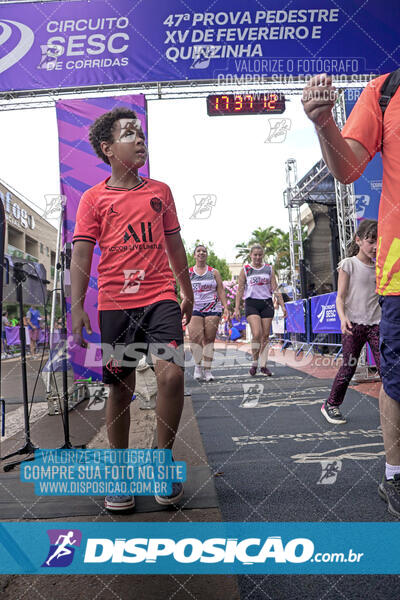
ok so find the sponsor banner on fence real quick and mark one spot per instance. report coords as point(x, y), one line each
point(324, 317)
point(56, 45)
point(368, 187)
point(150, 548)
point(12, 336)
point(295, 320)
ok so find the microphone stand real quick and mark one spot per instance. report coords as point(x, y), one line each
point(65, 264)
point(29, 448)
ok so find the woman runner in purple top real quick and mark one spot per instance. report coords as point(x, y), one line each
point(209, 298)
point(257, 281)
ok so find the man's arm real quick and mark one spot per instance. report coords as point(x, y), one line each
point(239, 294)
point(343, 284)
point(221, 292)
point(177, 257)
point(345, 158)
point(81, 262)
point(276, 293)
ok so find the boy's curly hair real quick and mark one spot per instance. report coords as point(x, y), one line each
point(101, 129)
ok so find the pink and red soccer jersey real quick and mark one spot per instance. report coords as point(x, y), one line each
point(130, 226)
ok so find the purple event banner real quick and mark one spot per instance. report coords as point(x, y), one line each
point(324, 317)
point(80, 169)
point(295, 322)
point(12, 336)
point(59, 45)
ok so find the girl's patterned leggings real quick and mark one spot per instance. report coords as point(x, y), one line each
point(352, 346)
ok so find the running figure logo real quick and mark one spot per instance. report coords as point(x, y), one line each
point(321, 315)
point(204, 203)
point(202, 56)
point(50, 56)
point(278, 129)
point(330, 471)
point(54, 203)
point(133, 279)
point(62, 547)
point(251, 394)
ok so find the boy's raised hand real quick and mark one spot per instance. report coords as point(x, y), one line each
point(319, 96)
point(80, 319)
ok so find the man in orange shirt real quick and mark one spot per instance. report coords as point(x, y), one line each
point(346, 154)
point(134, 221)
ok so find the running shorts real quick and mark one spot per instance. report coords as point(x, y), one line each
point(262, 308)
point(389, 338)
point(201, 313)
point(128, 334)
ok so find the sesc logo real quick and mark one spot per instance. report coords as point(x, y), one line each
point(26, 39)
point(192, 550)
point(328, 312)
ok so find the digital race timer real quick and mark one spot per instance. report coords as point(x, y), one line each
point(245, 104)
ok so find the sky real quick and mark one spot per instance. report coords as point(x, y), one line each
point(230, 158)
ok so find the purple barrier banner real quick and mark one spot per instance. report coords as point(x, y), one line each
point(58, 45)
point(12, 336)
point(324, 317)
point(80, 169)
point(295, 322)
point(370, 357)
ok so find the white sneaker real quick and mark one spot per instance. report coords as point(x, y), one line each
point(208, 376)
point(198, 373)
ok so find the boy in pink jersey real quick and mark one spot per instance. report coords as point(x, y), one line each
point(134, 221)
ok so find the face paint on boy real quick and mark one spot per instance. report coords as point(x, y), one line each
point(129, 130)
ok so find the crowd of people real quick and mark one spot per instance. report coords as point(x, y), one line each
point(34, 324)
point(137, 292)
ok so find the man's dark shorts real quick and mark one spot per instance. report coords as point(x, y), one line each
point(390, 345)
point(128, 334)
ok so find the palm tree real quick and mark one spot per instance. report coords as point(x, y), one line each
point(275, 243)
point(243, 251)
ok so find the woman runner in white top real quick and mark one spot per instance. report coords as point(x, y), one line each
point(257, 281)
point(209, 298)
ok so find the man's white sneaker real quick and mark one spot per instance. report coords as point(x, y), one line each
point(198, 373)
point(208, 376)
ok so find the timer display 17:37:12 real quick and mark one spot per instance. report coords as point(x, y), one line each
point(245, 104)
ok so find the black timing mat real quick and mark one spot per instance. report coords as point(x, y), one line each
point(278, 459)
point(18, 500)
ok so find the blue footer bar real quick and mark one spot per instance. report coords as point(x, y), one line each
point(128, 547)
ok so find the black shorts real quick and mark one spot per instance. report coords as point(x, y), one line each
point(262, 308)
point(389, 330)
point(200, 313)
point(128, 334)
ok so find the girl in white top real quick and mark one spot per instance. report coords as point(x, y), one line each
point(257, 281)
point(209, 298)
point(359, 312)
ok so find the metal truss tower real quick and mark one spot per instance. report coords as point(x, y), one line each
point(295, 237)
point(345, 200)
